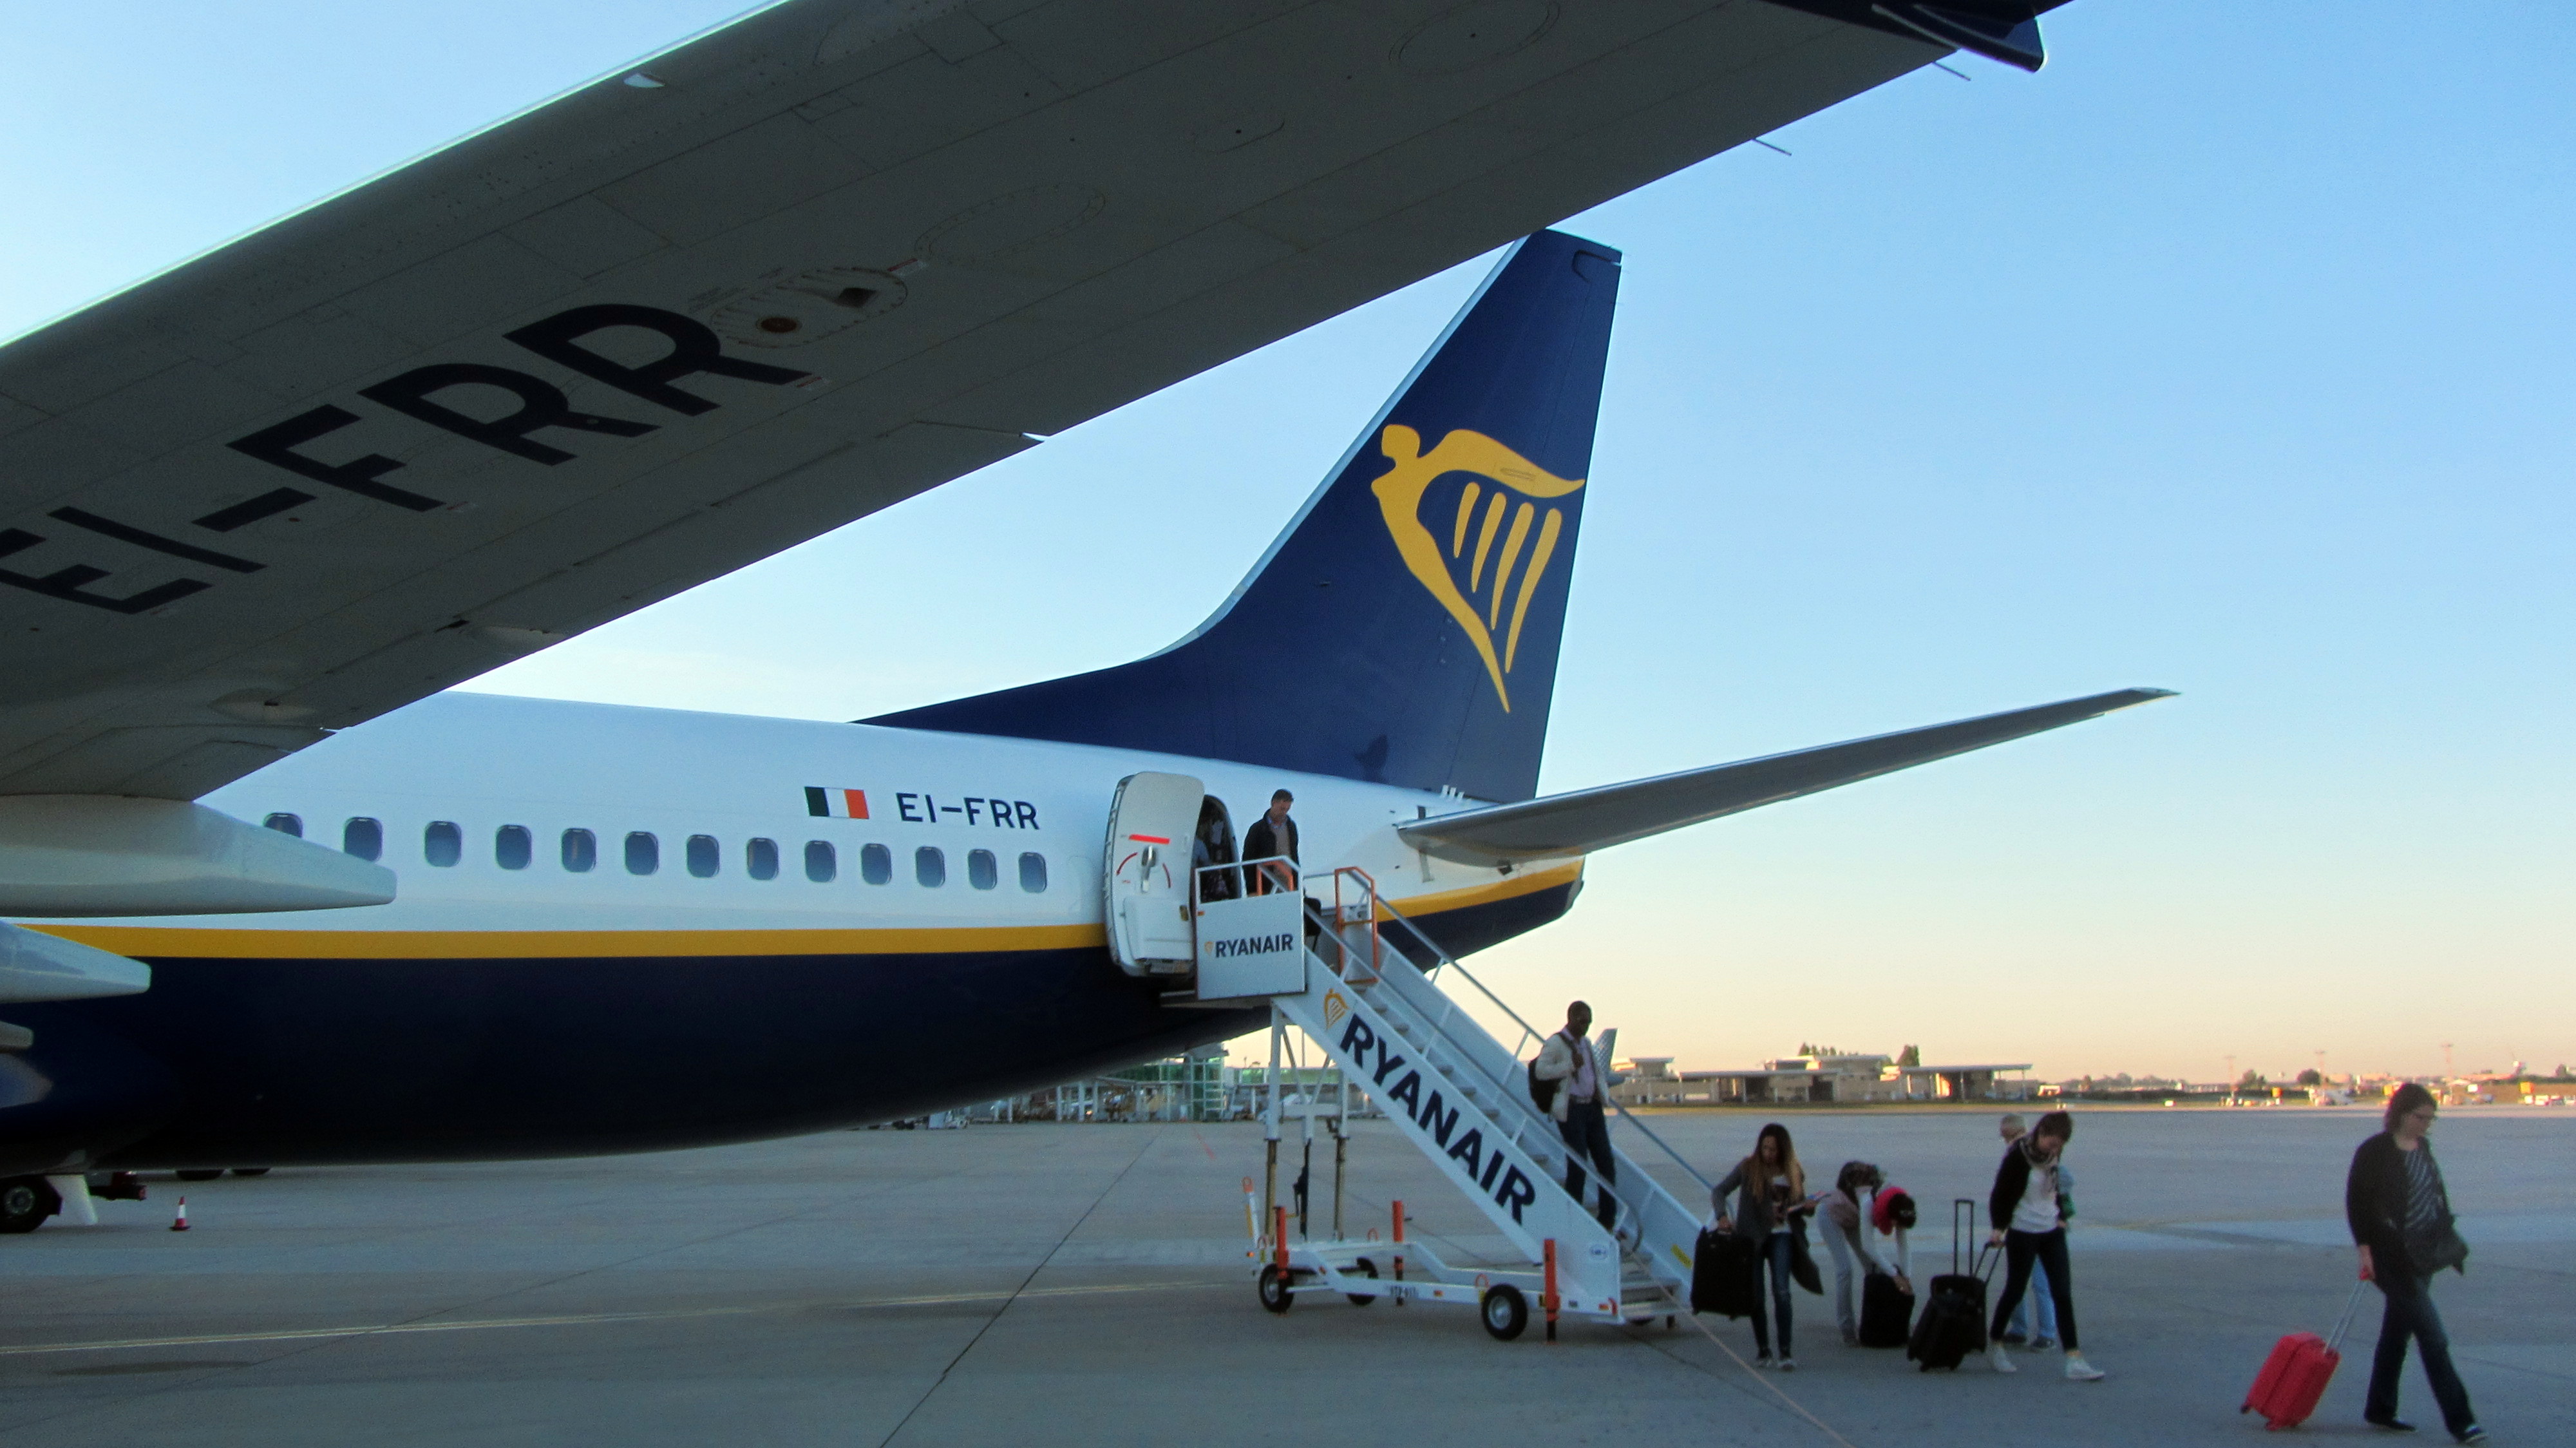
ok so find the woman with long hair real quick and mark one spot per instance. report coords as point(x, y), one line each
point(1770, 1190)
point(2401, 1220)
point(2024, 1212)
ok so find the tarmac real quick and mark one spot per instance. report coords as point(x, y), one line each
point(1040, 1284)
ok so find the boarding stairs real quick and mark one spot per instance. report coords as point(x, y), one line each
point(1366, 987)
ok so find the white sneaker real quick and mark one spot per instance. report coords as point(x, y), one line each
point(2080, 1371)
point(1996, 1358)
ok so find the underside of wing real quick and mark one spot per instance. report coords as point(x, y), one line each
point(770, 281)
point(1614, 814)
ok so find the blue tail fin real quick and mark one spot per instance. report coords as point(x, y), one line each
point(1405, 628)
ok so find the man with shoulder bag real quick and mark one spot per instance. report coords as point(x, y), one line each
point(1568, 1081)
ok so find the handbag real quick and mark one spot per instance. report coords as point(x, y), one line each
point(2438, 1247)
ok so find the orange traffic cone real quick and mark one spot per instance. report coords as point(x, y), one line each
point(180, 1223)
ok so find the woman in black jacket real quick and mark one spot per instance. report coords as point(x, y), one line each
point(2029, 1227)
point(2401, 1221)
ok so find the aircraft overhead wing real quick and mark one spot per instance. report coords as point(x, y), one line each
point(774, 279)
point(1614, 814)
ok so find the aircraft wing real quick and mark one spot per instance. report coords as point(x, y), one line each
point(776, 278)
point(1595, 819)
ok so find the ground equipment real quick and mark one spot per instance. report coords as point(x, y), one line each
point(1362, 987)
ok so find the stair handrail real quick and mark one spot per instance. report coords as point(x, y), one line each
point(1529, 1033)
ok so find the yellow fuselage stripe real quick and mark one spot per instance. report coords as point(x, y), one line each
point(218, 943)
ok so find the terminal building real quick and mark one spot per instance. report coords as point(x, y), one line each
point(1820, 1079)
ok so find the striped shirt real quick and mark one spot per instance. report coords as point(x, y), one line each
point(2423, 1191)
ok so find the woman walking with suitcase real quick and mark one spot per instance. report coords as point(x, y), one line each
point(2401, 1220)
point(2024, 1214)
point(1770, 1190)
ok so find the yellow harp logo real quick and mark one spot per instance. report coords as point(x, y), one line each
point(1400, 491)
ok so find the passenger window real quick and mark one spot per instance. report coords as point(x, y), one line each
point(981, 871)
point(442, 844)
point(930, 867)
point(821, 863)
point(702, 856)
point(643, 853)
point(512, 847)
point(580, 850)
point(760, 859)
point(876, 864)
point(285, 824)
point(363, 838)
point(1033, 873)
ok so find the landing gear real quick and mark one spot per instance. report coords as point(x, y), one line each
point(1275, 1296)
point(25, 1203)
point(1504, 1311)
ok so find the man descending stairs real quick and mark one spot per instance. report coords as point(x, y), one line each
point(1570, 1078)
point(1462, 1098)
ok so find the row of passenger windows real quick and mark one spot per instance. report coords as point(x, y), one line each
point(442, 843)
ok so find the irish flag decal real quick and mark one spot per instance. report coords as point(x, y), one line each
point(836, 804)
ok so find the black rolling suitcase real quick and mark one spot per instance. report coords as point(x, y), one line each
point(1886, 1314)
point(1953, 1324)
point(1722, 1279)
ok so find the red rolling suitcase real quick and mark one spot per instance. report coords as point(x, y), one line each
point(2296, 1373)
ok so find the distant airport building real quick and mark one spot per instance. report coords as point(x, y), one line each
point(1819, 1078)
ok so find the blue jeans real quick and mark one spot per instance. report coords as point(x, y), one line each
point(2411, 1314)
point(2038, 1299)
point(1778, 1250)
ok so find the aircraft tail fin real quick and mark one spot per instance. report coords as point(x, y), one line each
point(1404, 629)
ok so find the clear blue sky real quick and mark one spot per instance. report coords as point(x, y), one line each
point(2230, 354)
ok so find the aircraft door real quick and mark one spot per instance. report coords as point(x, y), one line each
point(1146, 885)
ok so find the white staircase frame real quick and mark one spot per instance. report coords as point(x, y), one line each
point(1461, 1097)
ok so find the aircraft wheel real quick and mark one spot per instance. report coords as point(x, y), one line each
point(250, 1171)
point(1505, 1311)
point(1366, 1269)
point(199, 1174)
point(25, 1202)
point(1275, 1296)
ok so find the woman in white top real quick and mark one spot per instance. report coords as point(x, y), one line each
point(2026, 1224)
point(1854, 1242)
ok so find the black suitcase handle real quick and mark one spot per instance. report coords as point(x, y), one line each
point(1963, 1224)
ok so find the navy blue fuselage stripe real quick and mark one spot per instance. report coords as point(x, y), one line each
point(308, 1062)
point(1336, 659)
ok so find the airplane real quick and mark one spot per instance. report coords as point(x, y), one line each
point(619, 929)
point(280, 900)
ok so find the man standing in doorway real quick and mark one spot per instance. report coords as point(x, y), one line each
point(1570, 1060)
point(1271, 836)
